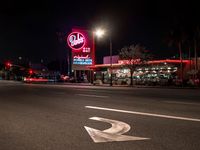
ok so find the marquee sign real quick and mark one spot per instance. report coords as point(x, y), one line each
point(76, 40)
point(81, 43)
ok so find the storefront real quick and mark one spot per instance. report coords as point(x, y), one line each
point(154, 72)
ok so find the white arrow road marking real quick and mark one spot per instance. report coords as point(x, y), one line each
point(112, 134)
point(144, 114)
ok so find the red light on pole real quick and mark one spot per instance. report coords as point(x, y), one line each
point(30, 71)
point(8, 65)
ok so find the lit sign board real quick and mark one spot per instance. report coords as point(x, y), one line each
point(81, 43)
point(82, 59)
point(76, 40)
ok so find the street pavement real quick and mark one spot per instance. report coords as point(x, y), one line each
point(73, 117)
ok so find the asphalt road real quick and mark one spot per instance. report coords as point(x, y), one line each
point(54, 117)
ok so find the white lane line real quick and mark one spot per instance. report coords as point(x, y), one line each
point(89, 95)
point(144, 114)
point(184, 103)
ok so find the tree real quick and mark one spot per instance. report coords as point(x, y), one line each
point(134, 55)
point(196, 39)
point(177, 37)
point(188, 36)
point(192, 34)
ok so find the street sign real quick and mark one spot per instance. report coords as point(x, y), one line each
point(115, 133)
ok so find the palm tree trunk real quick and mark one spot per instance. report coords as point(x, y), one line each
point(190, 58)
point(181, 59)
point(131, 70)
point(195, 57)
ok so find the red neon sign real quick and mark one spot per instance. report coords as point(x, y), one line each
point(76, 40)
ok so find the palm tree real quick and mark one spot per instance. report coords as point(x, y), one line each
point(193, 36)
point(196, 39)
point(177, 37)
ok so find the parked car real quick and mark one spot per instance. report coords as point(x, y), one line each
point(64, 78)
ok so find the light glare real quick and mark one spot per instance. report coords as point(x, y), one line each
point(99, 33)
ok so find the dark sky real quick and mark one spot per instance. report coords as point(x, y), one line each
point(30, 28)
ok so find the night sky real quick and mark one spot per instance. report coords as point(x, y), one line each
point(34, 29)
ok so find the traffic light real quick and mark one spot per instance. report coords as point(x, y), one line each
point(30, 71)
point(8, 65)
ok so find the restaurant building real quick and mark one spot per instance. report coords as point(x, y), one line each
point(154, 72)
point(84, 68)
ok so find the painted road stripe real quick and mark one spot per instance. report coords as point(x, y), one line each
point(144, 114)
point(89, 95)
point(184, 103)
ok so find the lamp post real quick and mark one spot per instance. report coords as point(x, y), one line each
point(100, 33)
point(93, 63)
point(111, 62)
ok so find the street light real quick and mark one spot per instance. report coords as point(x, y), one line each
point(100, 33)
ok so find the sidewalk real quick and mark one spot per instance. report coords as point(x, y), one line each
point(128, 86)
point(105, 85)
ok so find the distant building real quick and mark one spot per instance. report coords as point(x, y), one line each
point(106, 59)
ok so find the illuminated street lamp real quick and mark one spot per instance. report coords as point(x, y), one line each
point(100, 33)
